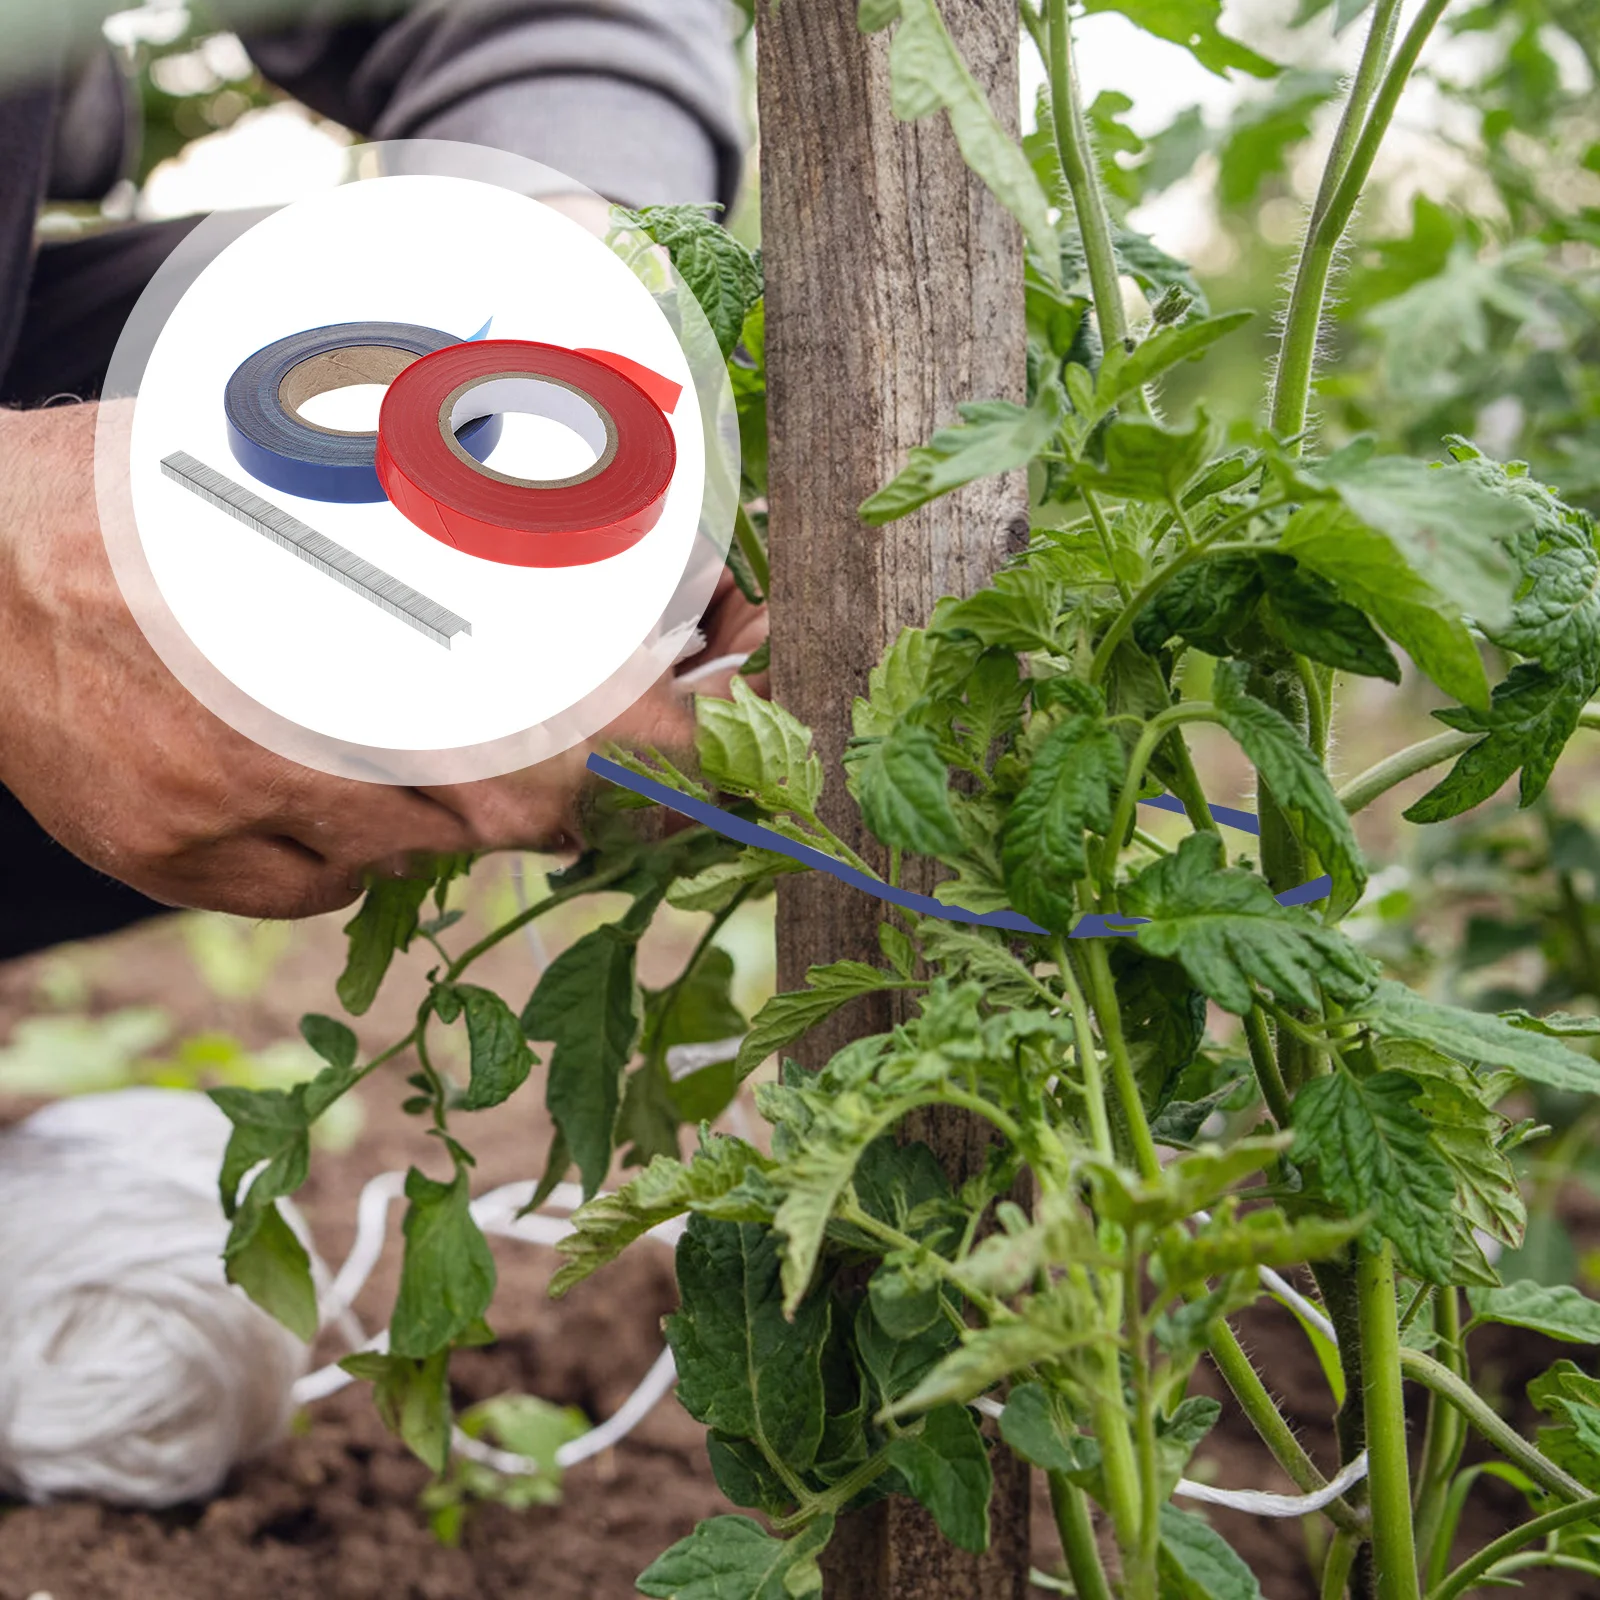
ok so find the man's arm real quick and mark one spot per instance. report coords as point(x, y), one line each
point(638, 99)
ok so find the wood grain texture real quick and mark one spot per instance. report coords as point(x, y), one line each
point(894, 292)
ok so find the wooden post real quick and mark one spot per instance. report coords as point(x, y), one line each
point(894, 292)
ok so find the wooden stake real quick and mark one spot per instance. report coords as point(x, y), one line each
point(894, 292)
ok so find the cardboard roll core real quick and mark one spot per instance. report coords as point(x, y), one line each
point(279, 447)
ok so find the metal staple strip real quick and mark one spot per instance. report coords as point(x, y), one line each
point(372, 583)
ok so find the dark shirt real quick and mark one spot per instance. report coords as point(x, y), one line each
point(636, 98)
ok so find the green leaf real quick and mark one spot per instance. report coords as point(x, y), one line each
point(1305, 614)
point(1431, 328)
point(1205, 605)
point(275, 1271)
point(1376, 576)
point(1297, 781)
point(1227, 931)
point(902, 785)
point(1557, 1311)
point(1016, 611)
point(1260, 134)
point(1531, 716)
point(720, 885)
point(1121, 373)
point(1555, 622)
point(1197, 1563)
point(1191, 24)
point(946, 1468)
point(993, 437)
point(749, 746)
point(785, 1017)
point(333, 1041)
point(386, 922)
point(501, 1059)
point(896, 684)
point(1052, 1324)
point(413, 1398)
point(1373, 1154)
point(587, 1004)
point(606, 1225)
point(1038, 1431)
point(721, 273)
point(1071, 786)
point(1467, 1131)
point(733, 1558)
point(447, 1277)
point(1146, 461)
point(1397, 1012)
point(926, 73)
point(743, 1367)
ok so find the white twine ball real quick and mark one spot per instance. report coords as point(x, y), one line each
point(131, 1371)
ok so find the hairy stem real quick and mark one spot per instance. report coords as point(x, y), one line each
point(1435, 1376)
point(1336, 1569)
point(1088, 203)
point(1298, 351)
point(1243, 1380)
point(1388, 1473)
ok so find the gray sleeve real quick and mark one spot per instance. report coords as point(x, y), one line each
point(637, 98)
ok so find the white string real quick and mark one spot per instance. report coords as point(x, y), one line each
point(499, 1213)
point(1255, 1502)
point(712, 669)
point(1259, 1503)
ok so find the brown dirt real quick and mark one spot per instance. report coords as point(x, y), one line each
point(332, 1511)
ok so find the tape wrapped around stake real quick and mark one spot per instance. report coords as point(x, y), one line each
point(616, 406)
point(277, 446)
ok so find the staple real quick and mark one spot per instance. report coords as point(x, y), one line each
point(316, 549)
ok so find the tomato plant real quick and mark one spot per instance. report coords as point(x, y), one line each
point(1194, 1067)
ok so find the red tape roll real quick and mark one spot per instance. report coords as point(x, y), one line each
point(572, 522)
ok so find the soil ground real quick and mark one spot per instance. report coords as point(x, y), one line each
point(331, 1512)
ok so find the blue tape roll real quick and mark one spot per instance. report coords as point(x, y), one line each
point(278, 447)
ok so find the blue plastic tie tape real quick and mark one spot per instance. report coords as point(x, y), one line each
point(1095, 926)
point(277, 446)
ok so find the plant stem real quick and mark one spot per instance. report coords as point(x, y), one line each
point(1471, 1570)
point(1103, 994)
point(1139, 1566)
point(754, 553)
point(1155, 731)
point(1361, 791)
point(1434, 1375)
point(1388, 1473)
point(1303, 321)
point(1094, 1088)
point(1443, 1438)
point(1102, 530)
point(1088, 204)
point(560, 897)
point(1273, 1089)
point(1071, 1507)
point(1242, 1378)
point(1336, 1569)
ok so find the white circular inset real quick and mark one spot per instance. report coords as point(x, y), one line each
point(284, 651)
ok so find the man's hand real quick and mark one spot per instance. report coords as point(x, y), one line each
point(132, 774)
